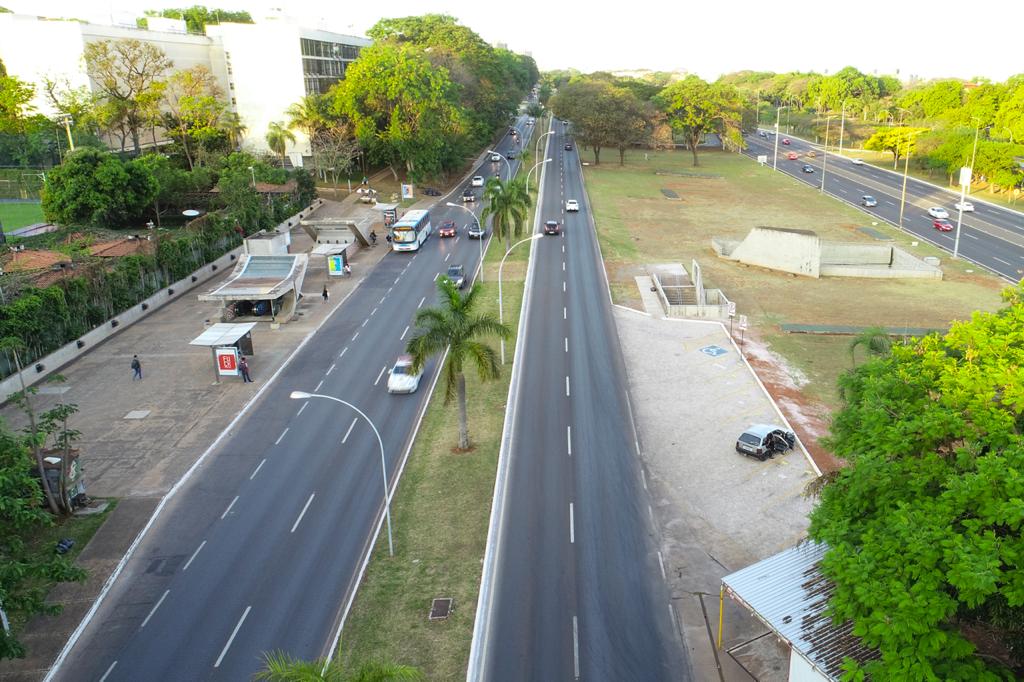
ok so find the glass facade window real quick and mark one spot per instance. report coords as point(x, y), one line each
point(324, 63)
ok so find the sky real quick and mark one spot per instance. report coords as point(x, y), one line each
point(926, 39)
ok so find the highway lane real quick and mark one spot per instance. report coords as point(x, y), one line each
point(263, 547)
point(991, 236)
point(577, 592)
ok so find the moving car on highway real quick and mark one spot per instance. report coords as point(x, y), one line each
point(857, 162)
point(785, 140)
point(572, 205)
point(792, 156)
point(966, 206)
point(568, 146)
point(938, 212)
point(807, 168)
point(469, 195)
point(402, 379)
point(457, 274)
point(447, 229)
point(477, 181)
point(551, 227)
point(495, 158)
point(475, 231)
point(942, 225)
point(868, 200)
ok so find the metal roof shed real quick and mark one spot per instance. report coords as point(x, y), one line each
point(223, 335)
point(789, 594)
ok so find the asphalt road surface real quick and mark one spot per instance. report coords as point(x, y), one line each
point(578, 592)
point(991, 236)
point(263, 547)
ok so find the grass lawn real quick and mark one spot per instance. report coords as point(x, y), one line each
point(440, 514)
point(16, 215)
point(638, 225)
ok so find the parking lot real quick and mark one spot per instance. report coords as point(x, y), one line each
point(717, 510)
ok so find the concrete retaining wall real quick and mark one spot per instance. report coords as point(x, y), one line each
point(40, 369)
point(835, 253)
point(792, 251)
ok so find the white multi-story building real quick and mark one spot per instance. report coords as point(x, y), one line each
point(262, 68)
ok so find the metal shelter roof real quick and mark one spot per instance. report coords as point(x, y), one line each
point(260, 278)
point(328, 249)
point(789, 594)
point(222, 334)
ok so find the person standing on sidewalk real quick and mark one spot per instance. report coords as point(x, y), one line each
point(325, 294)
point(243, 367)
point(136, 368)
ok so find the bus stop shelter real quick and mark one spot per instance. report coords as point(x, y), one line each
point(227, 342)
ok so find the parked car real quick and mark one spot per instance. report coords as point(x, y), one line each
point(792, 156)
point(966, 206)
point(785, 140)
point(572, 205)
point(447, 229)
point(869, 201)
point(942, 225)
point(469, 195)
point(475, 231)
point(552, 227)
point(938, 212)
point(857, 162)
point(457, 274)
point(568, 146)
point(402, 379)
point(807, 168)
point(762, 441)
point(432, 192)
point(477, 181)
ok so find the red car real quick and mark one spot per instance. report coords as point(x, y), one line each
point(552, 227)
point(942, 225)
point(785, 140)
point(447, 229)
point(792, 156)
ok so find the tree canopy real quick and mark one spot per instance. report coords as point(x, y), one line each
point(696, 108)
point(198, 17)
point(925, 523)
point(94, 187)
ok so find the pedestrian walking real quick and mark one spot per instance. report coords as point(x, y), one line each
point(348, 270)
point(243, 367)
point(387, 238)
point(136, 368)
point(373, 237)
point(325, 294)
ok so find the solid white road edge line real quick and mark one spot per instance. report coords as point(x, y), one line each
point(105, 590)
point(232, 637)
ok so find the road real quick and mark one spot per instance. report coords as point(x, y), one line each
point(263, 547)
point(991, 236)
point(576, 589)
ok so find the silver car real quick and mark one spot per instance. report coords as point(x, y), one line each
point(762, 441)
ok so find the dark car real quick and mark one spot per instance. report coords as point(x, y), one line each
point(510, 155)
point(568, 146)
point(432, 192)
point(807, 168)
point(457, 274)
point(475, 231)
point(447, 229)
point(469, 195)
point(942, 225)
point(552, 227)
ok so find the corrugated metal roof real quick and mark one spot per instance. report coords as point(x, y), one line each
point(261, 278)
point(790, 595)
point(223, 334)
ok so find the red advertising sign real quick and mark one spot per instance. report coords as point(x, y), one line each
point(227, 361)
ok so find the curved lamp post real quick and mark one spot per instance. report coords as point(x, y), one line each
point(501, 310)
point(302, 395)
point(509, 165)
point(539, 163)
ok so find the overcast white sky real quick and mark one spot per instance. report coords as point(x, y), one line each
point(902, 37)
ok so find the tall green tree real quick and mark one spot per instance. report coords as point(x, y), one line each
point(197, 17)
point(508, 206)
point(278, 137)
point(94, 187)
point(281, 667)
point(194, 104)
point(897, 141)
point(696, 108)
point(454, 325)
point(925, 522)
point(125, 74)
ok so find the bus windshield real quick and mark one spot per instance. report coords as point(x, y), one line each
point(403, 235)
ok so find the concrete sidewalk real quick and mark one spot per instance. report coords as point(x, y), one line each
point(139, 437)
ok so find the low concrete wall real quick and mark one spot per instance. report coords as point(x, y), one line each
point(836, 253)
point(792, 251)
point(40, 369)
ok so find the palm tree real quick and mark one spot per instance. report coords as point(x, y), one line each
point(280, 667)
point(507, 206)
point(278, 137)
point(311, 114)
point(231, 124)
point(874, 339)
point(453, 325)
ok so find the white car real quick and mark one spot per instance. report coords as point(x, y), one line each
point(495, 158)
point(402, 379)
point(572, 205)
point(857, 162)
point(529, 122)
point(477, 181)
point(938, 212)
point(966, 207)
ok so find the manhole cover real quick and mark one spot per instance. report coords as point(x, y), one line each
point(137, 414)
point(441, 608)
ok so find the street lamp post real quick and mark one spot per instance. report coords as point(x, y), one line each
point(302, 395)
point(824, 154)
point(539, 163)
point(507, 164)
point(253, 171)
point(501, 312)
point(67, 120)
point(448, 203)
point(974, 150)
point(965, 181)
point(906, 170)
point(536, 146)
point(778, 115)
point(842, 126)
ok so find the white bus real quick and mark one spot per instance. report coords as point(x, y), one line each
point(411, 231)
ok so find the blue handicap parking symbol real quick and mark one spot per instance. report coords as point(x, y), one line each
point(713, 351)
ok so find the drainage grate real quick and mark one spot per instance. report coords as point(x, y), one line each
point(441, 608)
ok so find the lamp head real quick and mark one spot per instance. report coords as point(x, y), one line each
point(299, 395)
